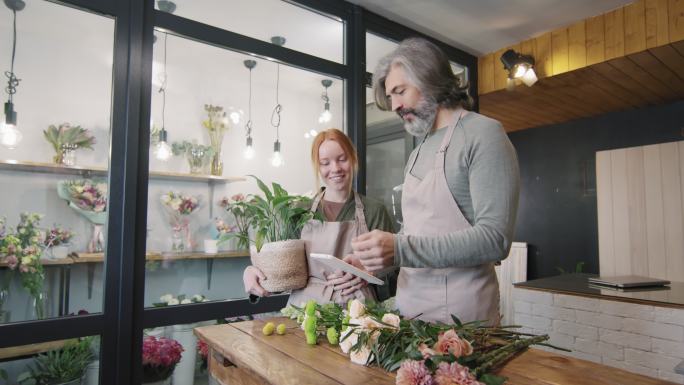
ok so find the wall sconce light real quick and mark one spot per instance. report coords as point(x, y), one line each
point(519, 67)
point(10, 136)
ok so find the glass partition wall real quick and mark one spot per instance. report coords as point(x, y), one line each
point(178, 102)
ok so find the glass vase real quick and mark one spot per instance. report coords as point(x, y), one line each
point(4, 305)
point(216, 164)
point(37, 308)
point(96, 244)
point(66, 155)
point(177, 239)
point(196, 157)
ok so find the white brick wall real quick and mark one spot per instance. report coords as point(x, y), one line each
point(638, 338)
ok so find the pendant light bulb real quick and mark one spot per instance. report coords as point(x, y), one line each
point(326, 116)
point(248, 153)
point(276, 158)
point(10, 136)
point(162, 150)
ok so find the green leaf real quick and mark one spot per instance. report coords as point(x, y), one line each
point(263, 188)
point(492, 379)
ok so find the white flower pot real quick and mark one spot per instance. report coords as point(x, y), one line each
point(92, 375)
point(210, 246)
point(185, 369)
point(57, 252)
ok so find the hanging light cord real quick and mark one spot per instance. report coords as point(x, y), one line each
point(162, 87)
point(12, 81)
point(275, 116)
point(248, 126)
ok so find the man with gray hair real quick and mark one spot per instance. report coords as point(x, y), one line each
point(460, 192)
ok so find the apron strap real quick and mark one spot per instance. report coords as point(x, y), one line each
point(360, 216)
point(446, 140)
point(317, 200)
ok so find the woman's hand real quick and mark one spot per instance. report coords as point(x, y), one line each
point(374, 250)
point(252, 278)
point(345, 282)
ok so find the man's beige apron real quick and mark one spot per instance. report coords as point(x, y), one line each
point(429, 209)
point(332, 238)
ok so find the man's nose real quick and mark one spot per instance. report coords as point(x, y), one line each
point(396, 105)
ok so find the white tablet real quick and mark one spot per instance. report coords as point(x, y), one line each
point(338, 264)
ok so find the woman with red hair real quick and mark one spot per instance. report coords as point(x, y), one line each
point(347, 214)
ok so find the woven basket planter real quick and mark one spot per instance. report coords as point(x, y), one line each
point(283, 263)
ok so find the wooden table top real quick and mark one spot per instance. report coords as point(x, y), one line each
point(287, 359)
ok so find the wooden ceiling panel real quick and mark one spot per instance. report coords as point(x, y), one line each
point(649, 77)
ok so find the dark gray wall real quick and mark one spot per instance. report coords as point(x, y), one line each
point(557, 213)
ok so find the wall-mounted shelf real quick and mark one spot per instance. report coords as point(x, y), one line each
point(29, 350)
point(75, 258)
point(165, 256)
point(87, 172)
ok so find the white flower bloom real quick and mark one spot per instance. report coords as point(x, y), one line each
point(348, 342)
point(198, 298)
point(370, 324)
point(360, 357)
point(166, 298)
point(185, 301)
point(391, 319)
point(172, 302)
point(357, 309)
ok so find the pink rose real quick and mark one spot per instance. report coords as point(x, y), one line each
point(450, 342)
point(413, 373)
point(12, 261)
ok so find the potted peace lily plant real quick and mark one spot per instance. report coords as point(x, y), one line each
point(276, 221)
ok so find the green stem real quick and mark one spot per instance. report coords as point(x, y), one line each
point(501, 355)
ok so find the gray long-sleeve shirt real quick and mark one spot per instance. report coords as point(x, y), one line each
point(482, 172)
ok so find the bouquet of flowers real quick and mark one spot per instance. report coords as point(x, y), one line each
point(237, 206)
point(21, 251)
point(57, 236)
point(216, 125)
point(160, 357)
point(88, 198)
point(179, 207)
point(420, 352)
point(67, 138)
point(182, 299)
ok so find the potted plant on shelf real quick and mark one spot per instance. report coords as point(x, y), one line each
point(196, 154)
point(57, 242)
point(65, 366)
point(277, 220)
point(65, 140)
point(160, 357)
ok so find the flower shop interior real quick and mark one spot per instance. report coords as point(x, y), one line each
point(132, 129)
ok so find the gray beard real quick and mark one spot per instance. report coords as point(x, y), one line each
point(426, 113)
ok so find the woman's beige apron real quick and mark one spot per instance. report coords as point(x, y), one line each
point(332, 238)
point(429, 209)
